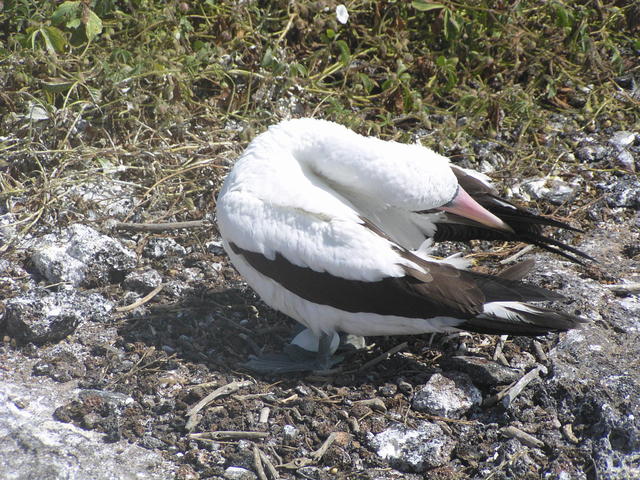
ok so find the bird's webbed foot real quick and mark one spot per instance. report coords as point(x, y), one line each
point(305, 353)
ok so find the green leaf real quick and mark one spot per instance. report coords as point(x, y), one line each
point(345, 53)
point(93, 27)
point(75, 23)
point(423, 6)
point(366, 82)
point(66, 12)
point(54, 39)
point(57, 86)
point(268, 58)
point(298, 69)
point(331, 34)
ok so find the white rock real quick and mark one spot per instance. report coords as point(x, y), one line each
point(342, 14)
point(239, 473)
point(289, 433)
point(413, 450)
point(451, 396)
point(623, 139)
point(552, 189)
point(79, 254)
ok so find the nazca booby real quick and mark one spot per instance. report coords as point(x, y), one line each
point(329, 227)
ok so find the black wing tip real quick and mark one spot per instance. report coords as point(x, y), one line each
point(538, 322)
point(464, 232)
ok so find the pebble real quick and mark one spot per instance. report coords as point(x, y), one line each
point(622, 139)
point(289, 433)
point(142, 282)
point(239, 473)
point(413, 449)
point(591, 153)
point(451, 396)
point(162, 247)
point(552, 189)
point(625, 160)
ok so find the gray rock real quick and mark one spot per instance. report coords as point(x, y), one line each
point(485, 371)
point(595, 379)
point(42, 318)
point(102, 198)
point(34, 446)
point(624, 193)
point(448, 396)
point(590, 153)
point(60, 364)
point(215, 247)
point(622, 139)
point(289, 433)
point(625, 160)
point(163, 247)
point(239, 473)
point(552, 189)
point(413, 450)
point(142, 282)
point(81, 256)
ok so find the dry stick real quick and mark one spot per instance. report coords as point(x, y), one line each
point(537, 346)
point(567, 431)
point(624, 288)
point(516, 255)
point(141, 301)
point(161, 227)
point(383, 357)
point(510, 393)
point(267, 463)
point(257, 461)
point(228, 434)
point(523, 437)
point(318, 454)
point(498, 354)
point(227, 389)
point(264, 415)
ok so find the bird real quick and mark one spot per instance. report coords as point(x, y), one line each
point(334, 229)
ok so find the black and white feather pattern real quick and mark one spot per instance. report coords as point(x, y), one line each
point(325, 225)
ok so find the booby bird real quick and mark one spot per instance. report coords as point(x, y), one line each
point(329, 227)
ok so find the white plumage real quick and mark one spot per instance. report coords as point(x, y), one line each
point(314, 201)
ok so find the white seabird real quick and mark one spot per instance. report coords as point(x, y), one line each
point(326, 226)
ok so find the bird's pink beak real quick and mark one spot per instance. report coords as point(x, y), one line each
point(465, 206)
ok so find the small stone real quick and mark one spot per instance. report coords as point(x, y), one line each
point(623, 139)
point(448, 396)
point(552, 189)
point(623, 193)
point(142, 282)
point(625, 160)
point(289, 433)
point(239, 473)
point(591, 153)
point(60, 364)
point(388, 390)
point(413, 450)
point(163, 247)
point(215, 247)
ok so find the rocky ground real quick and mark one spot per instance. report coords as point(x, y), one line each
point(122, 356)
